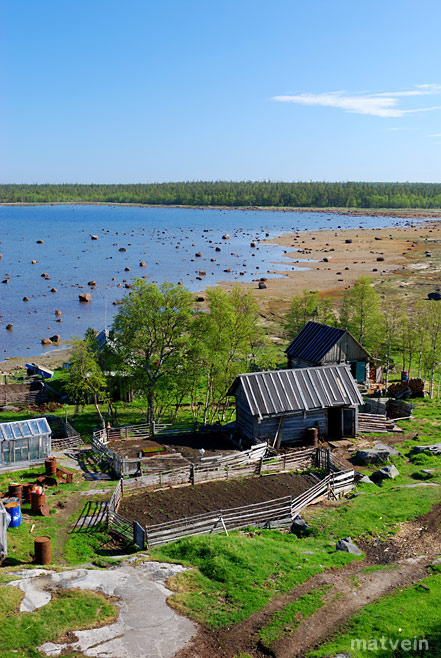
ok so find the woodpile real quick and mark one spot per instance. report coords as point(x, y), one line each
point(376, 423)
point(415, 385)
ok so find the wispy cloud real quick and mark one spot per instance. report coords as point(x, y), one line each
point(384, 104)
point(435, 135)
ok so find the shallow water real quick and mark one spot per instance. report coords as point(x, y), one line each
point(167, 239)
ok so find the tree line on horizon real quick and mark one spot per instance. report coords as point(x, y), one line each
point(235, 194)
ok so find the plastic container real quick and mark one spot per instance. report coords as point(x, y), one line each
point(12, 506)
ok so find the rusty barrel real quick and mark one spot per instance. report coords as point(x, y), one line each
point(312, 436)
point(28, 488)
point(37, 500)
point(50, 465)
point(15, 490)
point(42, 550)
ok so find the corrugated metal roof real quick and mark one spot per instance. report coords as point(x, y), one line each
point(22, 429)
point(314, 341)
point(299, 389)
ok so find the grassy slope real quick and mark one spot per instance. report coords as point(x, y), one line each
point(407, 614)
point(238, 575)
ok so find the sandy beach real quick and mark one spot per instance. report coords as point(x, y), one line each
point(344, 256)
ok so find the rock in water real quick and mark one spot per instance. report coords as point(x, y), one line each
point(85, 297)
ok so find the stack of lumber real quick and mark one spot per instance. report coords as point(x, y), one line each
point(415, 385)
point(376, 423)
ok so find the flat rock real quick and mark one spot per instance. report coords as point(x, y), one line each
point(379, 454)
point(434, 448)
point(146, 626)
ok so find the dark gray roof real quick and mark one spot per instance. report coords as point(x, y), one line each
point(314, 342)
point(299, 389)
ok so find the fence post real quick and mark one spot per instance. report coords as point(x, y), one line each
point(192, 469)
point(284, 462)
point(328, 460)
point(260, 465)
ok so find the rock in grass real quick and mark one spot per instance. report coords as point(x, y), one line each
point(365, 480)
point(386, 473)
point(434, 448)
point(379, 454)
point(346, 544)
point(299, 527)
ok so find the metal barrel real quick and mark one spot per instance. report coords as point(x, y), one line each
point(37, 500)
point(42, 550)
point(50, 465)
point(28, 488)
point(312, 436)
point(15, 490)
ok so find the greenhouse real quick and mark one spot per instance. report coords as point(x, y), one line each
point(24, 442)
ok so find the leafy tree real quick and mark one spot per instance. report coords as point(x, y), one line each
point(231, 342)
point(307, 307)
point(86, 378)
point(361, 314)
point(151, 333)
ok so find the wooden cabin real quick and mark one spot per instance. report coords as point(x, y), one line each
point(281, 405)
point(321, 345)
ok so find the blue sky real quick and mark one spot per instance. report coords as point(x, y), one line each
point(135, 91)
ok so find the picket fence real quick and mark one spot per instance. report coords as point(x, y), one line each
point(279, 511)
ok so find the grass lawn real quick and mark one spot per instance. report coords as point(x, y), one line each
point(410, 614)
point(65, 503)
point(239, 574)
point(22, 632)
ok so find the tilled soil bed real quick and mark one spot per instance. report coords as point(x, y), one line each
point(156, 507)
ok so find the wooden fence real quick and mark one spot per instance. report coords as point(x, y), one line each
point(249, 463)
point(280, 511)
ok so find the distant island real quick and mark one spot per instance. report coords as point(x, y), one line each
point(245, 194)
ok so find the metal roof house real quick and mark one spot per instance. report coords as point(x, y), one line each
point(319, 345)
point(23, 442)
point(283, 404)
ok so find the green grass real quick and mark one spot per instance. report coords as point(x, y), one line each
point(407, 614)
point(22, 632)
point(239, 574)
point(284, 622)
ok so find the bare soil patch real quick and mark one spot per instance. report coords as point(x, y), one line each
point(188, 445)
point(161, 506)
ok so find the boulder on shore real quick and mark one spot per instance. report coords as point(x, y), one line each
point(56, 338)
point(46, 341)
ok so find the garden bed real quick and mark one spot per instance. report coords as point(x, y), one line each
point(157, 507)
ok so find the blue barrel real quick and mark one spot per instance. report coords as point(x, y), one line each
point(12, 506)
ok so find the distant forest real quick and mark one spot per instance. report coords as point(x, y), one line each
point(240, 194)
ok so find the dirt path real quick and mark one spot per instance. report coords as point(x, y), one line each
point(409, 553)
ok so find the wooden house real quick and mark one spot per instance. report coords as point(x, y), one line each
point(321, 345)
point(282, 405)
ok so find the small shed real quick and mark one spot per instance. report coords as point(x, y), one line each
point(23, 442)
point(281, 405)
point(320, 345)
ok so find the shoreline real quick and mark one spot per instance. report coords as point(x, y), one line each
point(340, 257)
point(399, 213)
